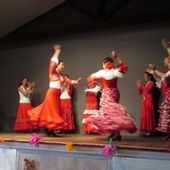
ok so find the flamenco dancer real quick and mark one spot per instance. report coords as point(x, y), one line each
point(48, 114)
point(164, 110)
point(146, 89)
point(92, 105)
point(158, 75)
point(25, 90)
point(112, 116)
point(162, 83)
point(67, 112)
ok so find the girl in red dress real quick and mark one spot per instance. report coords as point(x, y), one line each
point(146, 89)
point(112, 117)
point(25, 89)
point(48, 114)
point(67, 106)
point(92, 105)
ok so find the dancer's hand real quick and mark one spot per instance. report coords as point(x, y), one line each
point(151, 71)
point(152, 66)
point(57, 47)
point(138, 83)
point(114, 55)
point(164, 43)
point(79, 79)
point(32, 84)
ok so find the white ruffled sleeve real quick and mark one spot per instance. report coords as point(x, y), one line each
point(117, 73)
point(55, 60)
point(97, 74)
point(94, 90)
point(159, 83)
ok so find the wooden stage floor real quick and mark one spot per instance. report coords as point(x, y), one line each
point(158, 144)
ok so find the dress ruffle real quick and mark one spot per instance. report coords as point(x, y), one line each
point(112, 117)
point(67, 114)
point(91, 107)
point(164, 117)
point(23, 121)
point(48, 114)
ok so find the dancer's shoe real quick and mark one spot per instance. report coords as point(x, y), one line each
point(168, 137)
point(50, 133)
point(115, 137)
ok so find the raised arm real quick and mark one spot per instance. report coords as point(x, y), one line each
point(166, 44)
point(57, 49)
point(76, 81)
point(154, 71)
point(54, 60)
point(122, 67)
point(95, 89)
point(115, 56)
point(70, 81)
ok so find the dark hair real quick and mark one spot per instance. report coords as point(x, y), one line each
point(108, 59)
point(66, 75)
point(167, 79)
point(60, 61)
point(20, 83)
point(150, 76)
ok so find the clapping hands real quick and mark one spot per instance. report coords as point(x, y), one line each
point(138, 83)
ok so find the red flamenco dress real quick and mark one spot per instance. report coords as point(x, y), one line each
point(164, 117)
point(67, 107)
point(112, 117)
point(162, 85)
point(48, 114)
point(91, 105)
point(22, 121)
point(164, 109)
point(147, 122)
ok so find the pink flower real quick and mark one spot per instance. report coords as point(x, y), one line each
point(109, 150)
point(35, 139)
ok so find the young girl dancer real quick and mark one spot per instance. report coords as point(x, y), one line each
point(92, 105)
point(67, 107)
point(146, 89)
point(25, 89)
